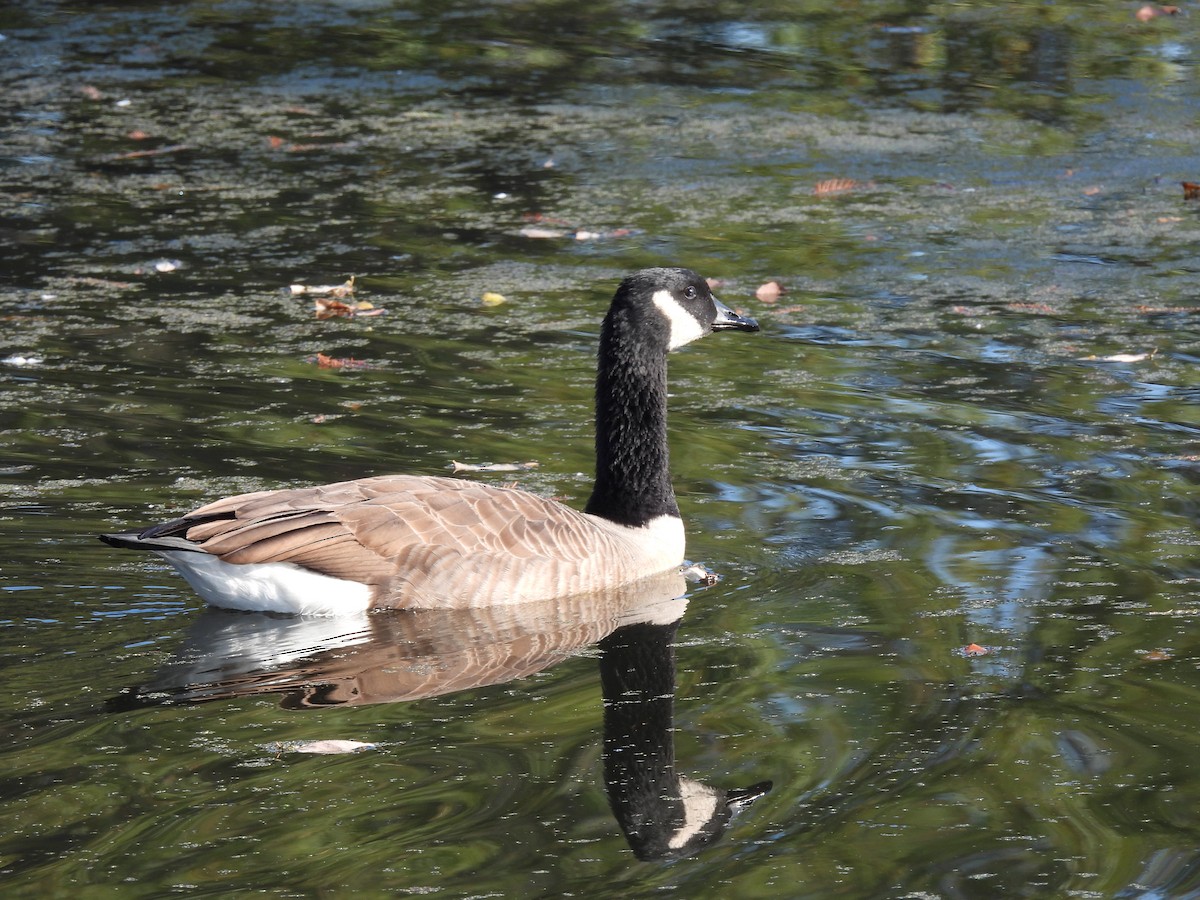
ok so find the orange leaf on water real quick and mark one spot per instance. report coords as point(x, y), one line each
point(334, 362)
point(834, 186)
point(975, 650)
point(1191, 190)
point(328, 309)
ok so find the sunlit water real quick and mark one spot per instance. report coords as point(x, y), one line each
point(950, 488)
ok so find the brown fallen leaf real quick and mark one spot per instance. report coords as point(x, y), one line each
point(1157, 656)
point(975, 650)
point(834, 186)
point(1191, 190)
point(328, 308)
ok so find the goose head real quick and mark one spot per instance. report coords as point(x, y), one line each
point(670, 307)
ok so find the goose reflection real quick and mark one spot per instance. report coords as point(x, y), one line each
point(414, 654)
point(663, 814)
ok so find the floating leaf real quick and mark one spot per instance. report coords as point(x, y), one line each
point(975, 650)
point(491, 298)
point(326, 308)
point(1121, 357)
point(324, 747)
point(1191, 190)
point(343, 290)
point(770, 291)
point(700, 574)
point(492, 467)
point(834, 186)
point(18, 359)
point(143, 154)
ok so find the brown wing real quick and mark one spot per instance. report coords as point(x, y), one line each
point(418, 540)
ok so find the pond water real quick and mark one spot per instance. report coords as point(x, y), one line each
point(950, 488)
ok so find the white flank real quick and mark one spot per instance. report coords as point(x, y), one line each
point(684, 326)
point(268, 587)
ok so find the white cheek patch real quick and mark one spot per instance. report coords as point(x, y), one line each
point(684, 327)
point(699, 807)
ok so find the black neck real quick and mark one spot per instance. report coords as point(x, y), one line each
point(633, 473)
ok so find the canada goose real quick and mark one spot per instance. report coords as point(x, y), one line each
point(402, 541)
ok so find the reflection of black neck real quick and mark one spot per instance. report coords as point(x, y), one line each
point(664, 815)
point(637, 676)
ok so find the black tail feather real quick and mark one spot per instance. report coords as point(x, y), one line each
point(165, 536)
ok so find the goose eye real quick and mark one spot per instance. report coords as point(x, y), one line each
point(689, 292)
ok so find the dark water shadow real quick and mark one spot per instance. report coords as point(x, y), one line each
point(408, 655)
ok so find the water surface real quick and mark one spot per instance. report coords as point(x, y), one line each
point(950, 488)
